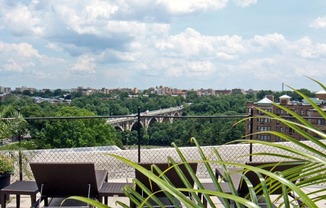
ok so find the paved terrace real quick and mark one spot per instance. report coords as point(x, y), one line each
point(118, 171)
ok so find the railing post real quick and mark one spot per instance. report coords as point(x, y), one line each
point(138, 133)
point(20, 158)
point(251, 121)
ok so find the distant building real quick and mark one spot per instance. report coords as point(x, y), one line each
point(205, 92)
point(267, 124)
point(223, 92)
point(5, 90)
point(24, 88)
point(237, 90)
point(321, 95)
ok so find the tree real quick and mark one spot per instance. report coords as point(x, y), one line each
point(65, 133)
point(14, 125)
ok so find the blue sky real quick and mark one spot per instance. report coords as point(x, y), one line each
point(188, 44)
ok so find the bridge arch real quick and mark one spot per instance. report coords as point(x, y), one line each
point(134, 126)
point(148, 118)
point(152, 121)
point(118, 128)
point(177, 114)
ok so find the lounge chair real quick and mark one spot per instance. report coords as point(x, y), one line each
point(171, 174)
point(242, 187)
point(270, 166)
point(61, 180)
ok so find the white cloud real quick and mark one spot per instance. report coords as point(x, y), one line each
point(18, 57)
point(269, 39)
point(190, 6)
point(306, 48)
point(54, 46)
point(24, 59)
point(138, 37)
point(24, 50)
point(191, 43)
point(84, 65)
point(11, 65)
point(177, 68)
point(245, 3)
point(22, 21)
point(320, 22)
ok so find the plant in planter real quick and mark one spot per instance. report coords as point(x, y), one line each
point(13, 126)
point(6, 164)
point(6, 160)
point(7, 167)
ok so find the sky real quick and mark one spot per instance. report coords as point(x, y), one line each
point(185, 44)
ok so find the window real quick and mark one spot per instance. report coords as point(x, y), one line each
point(302, 112)
point(320, 121)
point(265, 128)
point(264, 120)
point(264, 137)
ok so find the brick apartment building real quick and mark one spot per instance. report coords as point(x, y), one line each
point(304, 109)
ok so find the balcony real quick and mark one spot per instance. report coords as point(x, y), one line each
point(118, 171)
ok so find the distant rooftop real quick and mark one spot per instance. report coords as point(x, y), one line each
point(264, 101)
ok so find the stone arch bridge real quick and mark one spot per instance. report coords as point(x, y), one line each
point(147, 118)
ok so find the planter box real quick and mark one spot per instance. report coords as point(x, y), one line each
point(4, 181)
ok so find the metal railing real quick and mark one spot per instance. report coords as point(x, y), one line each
point(102, 156)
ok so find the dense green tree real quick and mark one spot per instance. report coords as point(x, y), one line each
point(207, 131)
point(27, 92)
point(75, 132)
point(192, 96)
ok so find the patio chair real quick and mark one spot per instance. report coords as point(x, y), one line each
point(270, 166)
point(171, 174)
point(242, 187)
point(61, 180)
point(273, 167)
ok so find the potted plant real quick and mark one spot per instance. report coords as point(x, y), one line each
point(8, 127)
point(6, 164)
point(7, 167)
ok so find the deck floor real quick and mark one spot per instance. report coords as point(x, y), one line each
point(25, 201)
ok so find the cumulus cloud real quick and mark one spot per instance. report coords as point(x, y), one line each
point(136, 38)
point(11, 65)
point(191, 43)
point(269, 39)
point(318, 23)
point(84, 65)
point(18, 57)
point(306, 48)
point(190, 6)
point(23, 49)
point(22, 21)
point(245, 3)
point(24, 58)
point(189, 69)
point(54, 46)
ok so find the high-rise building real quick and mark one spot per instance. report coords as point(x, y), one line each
point(261, 122)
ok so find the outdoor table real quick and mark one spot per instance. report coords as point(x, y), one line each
point(112, 189)
point(19, 188)
point(225, 186)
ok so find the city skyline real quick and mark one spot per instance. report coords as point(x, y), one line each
point(190, 44)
